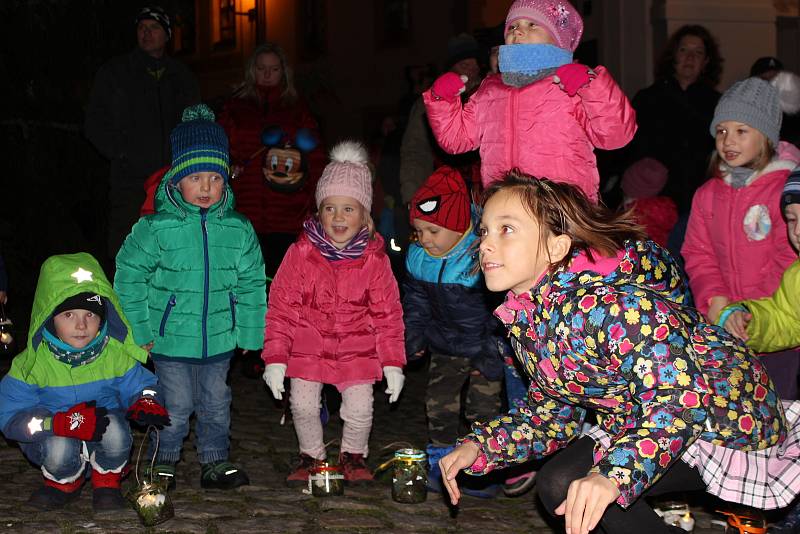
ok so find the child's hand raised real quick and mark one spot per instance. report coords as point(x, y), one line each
point(573, 76)
point(737, 323)
point(449, 86)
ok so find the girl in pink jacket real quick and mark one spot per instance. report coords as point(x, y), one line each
point(736, 245)
point(335, 317)
point(542, 113)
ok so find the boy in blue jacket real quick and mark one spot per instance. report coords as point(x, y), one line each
point(445, 311)
point(67, 395)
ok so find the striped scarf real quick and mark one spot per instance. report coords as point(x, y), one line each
point(354, 249)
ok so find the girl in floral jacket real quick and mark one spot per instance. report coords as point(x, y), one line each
point(680, 403)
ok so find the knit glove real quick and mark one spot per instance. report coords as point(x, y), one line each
point(148, 411)
point(449, 86)
point(83, 421)
point(274, 374)
point(573, 76)
point(394, 381)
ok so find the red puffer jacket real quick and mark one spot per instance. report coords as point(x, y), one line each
point(537, 128)
point(269, 210)
point(334, 321)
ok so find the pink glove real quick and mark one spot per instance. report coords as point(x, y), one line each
point(448, 86)
point(573, 76)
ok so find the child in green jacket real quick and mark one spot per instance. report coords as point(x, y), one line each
point(191, 280)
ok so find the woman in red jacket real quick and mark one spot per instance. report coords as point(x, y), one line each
point(267, 101)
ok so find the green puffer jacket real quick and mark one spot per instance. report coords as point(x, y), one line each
point(192, 280)
point(776, 319)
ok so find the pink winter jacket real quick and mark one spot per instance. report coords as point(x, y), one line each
point(334, 322)
point(537, 128)
point(736, 243)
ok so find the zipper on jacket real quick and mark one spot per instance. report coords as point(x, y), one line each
point(233, 300)
point(513, 132)
point(170, 304)
point(203, 214)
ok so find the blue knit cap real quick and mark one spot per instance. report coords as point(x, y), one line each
point(791, 191)
point(198, 145)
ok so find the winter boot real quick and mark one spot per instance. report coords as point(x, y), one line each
point(434, 472)
point(222, 475)
point(300, 471)
point(519, 485)
point(106, 496)
point(53, 496)
point(354, 468)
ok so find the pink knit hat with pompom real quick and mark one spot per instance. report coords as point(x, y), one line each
point(558, 17)
point(347, 175)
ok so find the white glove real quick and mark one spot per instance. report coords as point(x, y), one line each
point(394, 381)
point(273, 376)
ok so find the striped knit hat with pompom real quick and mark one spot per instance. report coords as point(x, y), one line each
point(347, 175)
point(198, 145)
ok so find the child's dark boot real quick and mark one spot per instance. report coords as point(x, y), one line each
point(300, 471)
point(222, 475)
point(53, 496)
point(354, 468)
point(163, 473)
point(106, 496)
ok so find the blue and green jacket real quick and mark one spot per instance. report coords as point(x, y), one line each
point(39, 385)
point(445, 309)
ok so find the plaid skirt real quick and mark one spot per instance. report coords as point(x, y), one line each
point(765, 479)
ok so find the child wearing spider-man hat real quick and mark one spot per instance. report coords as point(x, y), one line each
point(445, 312)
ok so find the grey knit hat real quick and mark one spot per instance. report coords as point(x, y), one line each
point(753, 102)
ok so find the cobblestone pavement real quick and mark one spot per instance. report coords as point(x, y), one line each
point(265, 448)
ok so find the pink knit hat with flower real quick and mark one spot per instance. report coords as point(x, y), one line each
point(558, 17)
point(347, 175)
point(644, 179)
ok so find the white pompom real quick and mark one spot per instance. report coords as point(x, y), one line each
point(349, 152)
point(788, 85)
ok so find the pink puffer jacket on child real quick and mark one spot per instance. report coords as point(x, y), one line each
point(537, 128)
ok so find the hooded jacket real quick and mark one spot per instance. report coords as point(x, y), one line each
point(537, 128)
point(192, 280)
point(444, 306)
point(334, 321)
point(39, 385)
point(624, 343)
point(730, 227)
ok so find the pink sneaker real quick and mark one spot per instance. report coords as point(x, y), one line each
point(519, 485)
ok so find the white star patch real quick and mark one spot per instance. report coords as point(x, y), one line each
point(82, 275)
point(35, 425)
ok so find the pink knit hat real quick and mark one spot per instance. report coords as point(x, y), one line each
point(347, 175)
point(644, 179)
point(557, 16)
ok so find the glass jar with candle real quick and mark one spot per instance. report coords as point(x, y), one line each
point(326, 480)
point(410, 480)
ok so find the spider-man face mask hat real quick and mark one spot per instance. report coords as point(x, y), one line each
point(443, 200)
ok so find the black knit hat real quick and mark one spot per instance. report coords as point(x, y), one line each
point(460, 47)
point(83, 301)
point(765, 64)
point(791, 191)
point(157, 14)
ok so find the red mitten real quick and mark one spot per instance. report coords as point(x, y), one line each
point(83, 421)
point(573, 76)
point(147, 411)
point(448, 86)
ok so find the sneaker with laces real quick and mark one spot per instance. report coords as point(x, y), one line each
point(299, 474)
point(354, 468)
point(222, 475)
point(519, 485)
point(163, 473)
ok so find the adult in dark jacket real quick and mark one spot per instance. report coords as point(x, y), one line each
point(674, 113)
point(136, 101)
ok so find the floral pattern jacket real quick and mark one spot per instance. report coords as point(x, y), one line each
point(627, 345)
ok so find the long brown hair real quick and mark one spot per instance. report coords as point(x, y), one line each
point(665, 65)
point(563, 209)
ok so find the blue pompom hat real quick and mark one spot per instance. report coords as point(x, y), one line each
point(198, 145)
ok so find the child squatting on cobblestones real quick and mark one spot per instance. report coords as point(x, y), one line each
point(599, 317)
point(68, 394)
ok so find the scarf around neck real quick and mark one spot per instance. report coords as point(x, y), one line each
point(523, 64)
point(354, 249)
point(68, 354)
